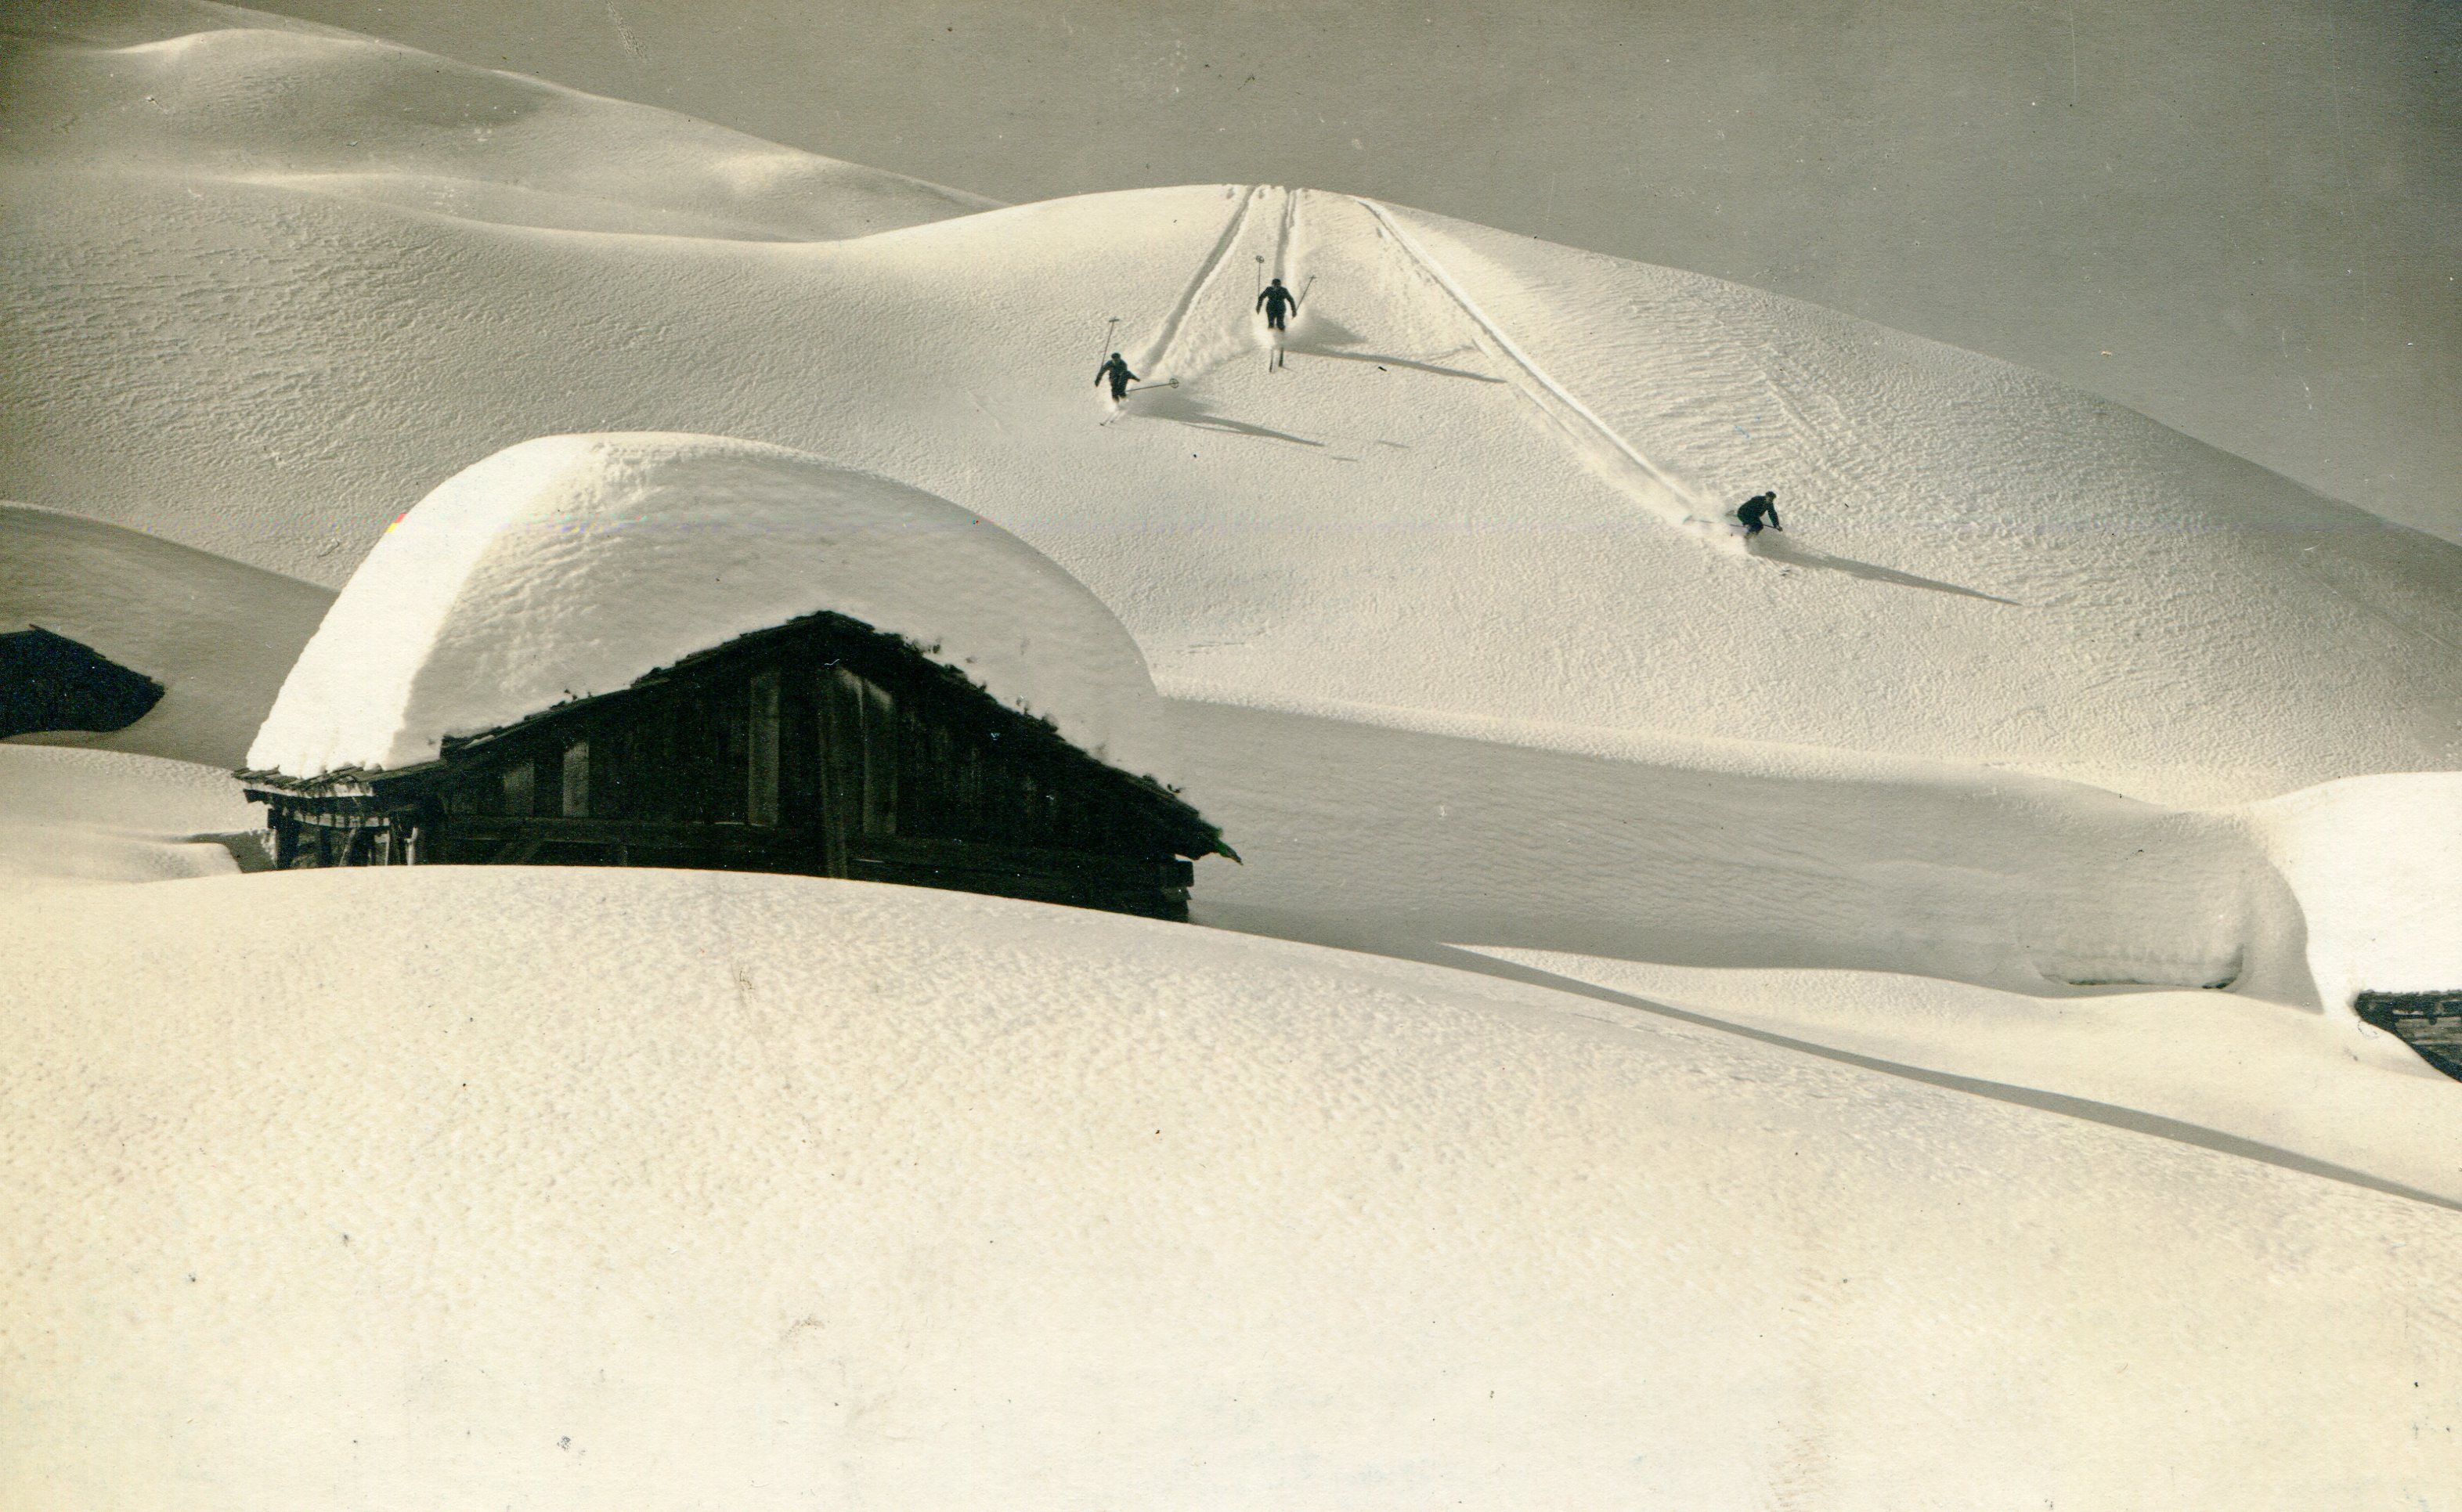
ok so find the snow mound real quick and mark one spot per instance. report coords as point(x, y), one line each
point(572, 566)
point(1388, 839)
point(591, 1188)
point(1476, 488)
point(220, 636)
point(80, 816)
point(221, 93)
point(2376, 863)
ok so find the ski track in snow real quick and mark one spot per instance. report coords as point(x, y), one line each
point(1653, 489)
point(1161, 346)
point(1282, 237)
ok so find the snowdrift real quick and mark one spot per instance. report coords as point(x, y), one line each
point(220, 636)
point(1475, 434)
point(573, 565)
point(1394, 839)
point(79, 816)
point(662, 1190)
point(2376, 863)
point(193, 91)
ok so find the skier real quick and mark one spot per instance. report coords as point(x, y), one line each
point(1760, 510)
point(1276, 302)
point(1117, 371)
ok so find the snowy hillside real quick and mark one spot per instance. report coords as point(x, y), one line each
point(187, 90)
point(87, 816)
point(667, 1190)
point(219, 635)
point(1476, 434)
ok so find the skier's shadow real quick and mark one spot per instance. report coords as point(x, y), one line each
point(1183, 406)
point(1778, 549)
point(1321, 336)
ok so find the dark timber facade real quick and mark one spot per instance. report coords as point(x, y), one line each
point(821, 746)
point(2430, 1023)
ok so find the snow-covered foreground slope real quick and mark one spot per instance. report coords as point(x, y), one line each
point(1464, 494)
point(77, 816)
point(2213, 1068)
point(220, 636)
point(663, 1189)
point(190, 91)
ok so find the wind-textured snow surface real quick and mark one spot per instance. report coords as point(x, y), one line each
point(572, 566)
point(220, 636)
point(580, 1188)
point(196, 92)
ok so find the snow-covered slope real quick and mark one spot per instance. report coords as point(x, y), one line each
point(2376, 864)
point(1464, 494)
point(109, 817)
point(574, 566)
point(190, 91)
point(2307, 1090)
point(1384, 838)
point(220, 636)
point(662, 1190)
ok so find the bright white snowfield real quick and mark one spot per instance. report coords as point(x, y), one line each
point(575, 565)
point(188, 91)
point(1464, 495)
point(669, 1190)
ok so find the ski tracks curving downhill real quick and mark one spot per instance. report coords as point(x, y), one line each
point(1597, 443)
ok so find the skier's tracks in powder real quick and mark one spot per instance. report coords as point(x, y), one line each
point(1230, 237)
point(1608, 453)
point(1282, 237)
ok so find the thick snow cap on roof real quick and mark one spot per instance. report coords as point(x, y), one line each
point(570, 566)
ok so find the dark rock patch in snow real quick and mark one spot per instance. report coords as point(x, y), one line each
point(50, 683)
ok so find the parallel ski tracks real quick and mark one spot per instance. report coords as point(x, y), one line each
point(1626, 470)
point(1188, 297)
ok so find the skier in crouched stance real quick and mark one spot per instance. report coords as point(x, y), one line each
point(1117, 370)
point(1760, 510)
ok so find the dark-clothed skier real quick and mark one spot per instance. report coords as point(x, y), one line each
point(1117, 371)
point(1276, 302)
point(1760, 510)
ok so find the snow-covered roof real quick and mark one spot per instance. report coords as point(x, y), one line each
point(570, 566)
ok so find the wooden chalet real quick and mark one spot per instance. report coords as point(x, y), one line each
point(2430, 1023)
point(821, 746)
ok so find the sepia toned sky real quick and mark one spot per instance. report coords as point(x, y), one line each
point(2243, 217)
